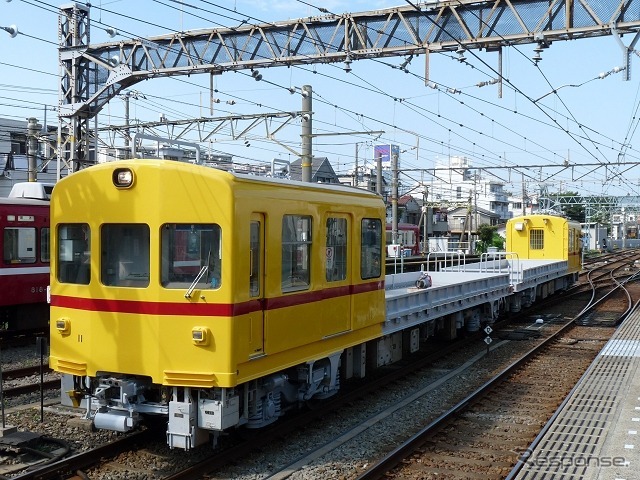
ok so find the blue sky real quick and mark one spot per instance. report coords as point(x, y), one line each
point(589, 121)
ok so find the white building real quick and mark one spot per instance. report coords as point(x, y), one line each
point(13, 156)
point(456, 183)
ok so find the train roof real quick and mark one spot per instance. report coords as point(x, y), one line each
point(23, 201)
point(334, 187)
point(243, 177)
point(536, 216)
point(539, 215)
point(34, 190)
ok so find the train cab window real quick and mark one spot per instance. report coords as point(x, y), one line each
point(45, 245)
point(19, 245)
point(74, 254)
point(371, 248)
point(336, 256)
point(296, 252)
point(125, 255)
point(536, 239)
point(191, 255)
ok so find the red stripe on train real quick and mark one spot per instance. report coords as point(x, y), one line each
point(209, 309)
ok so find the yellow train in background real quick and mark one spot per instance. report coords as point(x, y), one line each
point(220, 300)
point(546, 237)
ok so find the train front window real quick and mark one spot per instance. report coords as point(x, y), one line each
point(19, 245)
point(190, 252)
point(371, 248)
point(296, 252)
point(536, 239)
point(74, 254)
point(125, 255)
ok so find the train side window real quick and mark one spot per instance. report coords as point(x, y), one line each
point(572, 240)
point(536, 239)
point(296, 252)
point(191, 252)
point(125, 255)
point(45, 245)
point(254, 258)
point(336, 255)
point(74, 253)
point(371, 248)
point(19, 245)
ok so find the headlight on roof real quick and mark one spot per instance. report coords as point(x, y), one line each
point(123, 178)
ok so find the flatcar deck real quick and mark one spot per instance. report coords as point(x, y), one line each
point(594, 434)
point(525, 273)
point(450, 293)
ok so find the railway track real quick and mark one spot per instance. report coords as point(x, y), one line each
point(36, 382)
point(487, 433)
point(238, 450)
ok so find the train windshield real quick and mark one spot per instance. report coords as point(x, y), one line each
point(74, 255)
point(189, 250)
point(125, 255)
point(536, 239)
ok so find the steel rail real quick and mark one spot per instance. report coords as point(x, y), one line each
point(393, 458)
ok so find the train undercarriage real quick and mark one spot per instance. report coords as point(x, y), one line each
point(199, 415)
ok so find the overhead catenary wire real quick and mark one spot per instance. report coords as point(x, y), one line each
point(334, 103)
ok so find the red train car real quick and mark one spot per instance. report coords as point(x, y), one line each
point(408, 236)
point(24, 269)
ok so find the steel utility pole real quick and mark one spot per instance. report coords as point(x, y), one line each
point(32, 158)
point(394, 196)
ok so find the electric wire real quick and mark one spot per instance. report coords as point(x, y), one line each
point(209, 2)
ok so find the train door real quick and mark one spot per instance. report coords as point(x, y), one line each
point(256, 281)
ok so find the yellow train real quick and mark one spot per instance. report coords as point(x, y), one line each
point(546, 237)
point(546, 253)
point(205, 282)
point(220, 300)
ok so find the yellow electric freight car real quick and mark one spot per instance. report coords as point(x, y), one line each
point(546, 237)
point(216, 299)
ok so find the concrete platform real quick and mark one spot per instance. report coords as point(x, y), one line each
point(595, 434)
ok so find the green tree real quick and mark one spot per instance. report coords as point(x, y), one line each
point(575, 211)
point(497, 241)
point(485, 238)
